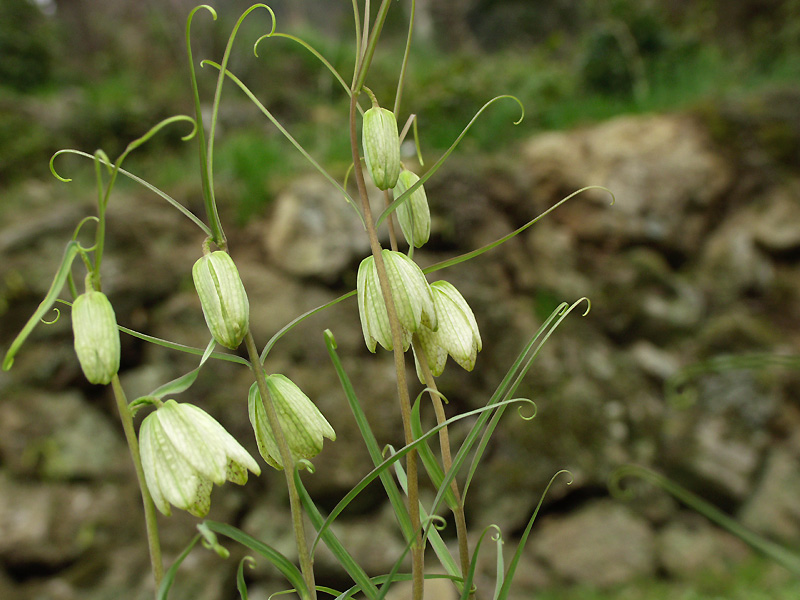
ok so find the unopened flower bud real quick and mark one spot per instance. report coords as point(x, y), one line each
point(301, 422)
point(222, 297)
point(184, 452)
point(412, 300)
point(96, 336)
point(414, 214)
point(457, 334)
point(381, 147)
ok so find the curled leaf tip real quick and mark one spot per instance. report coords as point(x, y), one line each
point(534, 408)
point(53, 168)
point(54, 319)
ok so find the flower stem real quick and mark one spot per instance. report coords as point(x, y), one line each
point(306, 564)
point(151, 522)
point(417, 551)
point(447, 461)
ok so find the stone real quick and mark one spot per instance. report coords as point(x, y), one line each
point(690, 546)
point(601, 544)
point(314, 231)
point(773, 509)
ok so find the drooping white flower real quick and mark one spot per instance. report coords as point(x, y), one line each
point(184, 452)
point(223, 298)
point(94, 326)
point(301, 421)
point(381, 143)
point(457, 334)
point(414, 215)
point(412, 299)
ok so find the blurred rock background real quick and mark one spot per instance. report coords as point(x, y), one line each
point(687, 111)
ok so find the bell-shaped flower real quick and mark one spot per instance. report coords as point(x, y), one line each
point(94, 326)
point(457, 334)
point(222, 296)
point(302, 424)
point(412, 299)
point(381, 143)
point(184, 452)
point(414, 215)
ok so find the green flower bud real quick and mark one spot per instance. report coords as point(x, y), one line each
point(414, 214)
point(302, 424)
point(222, 297)
point(381, 147)
point(412, 299)
point(96, 336)
point(184, 452)
point(457, 334)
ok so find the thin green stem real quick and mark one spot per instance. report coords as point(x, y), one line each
point(417, 552)
point(151, 522)
point(306, 564)
point(447, 460)
point(369, 50)
point(401, 80)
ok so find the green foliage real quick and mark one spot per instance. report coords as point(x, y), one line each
point(25, 46)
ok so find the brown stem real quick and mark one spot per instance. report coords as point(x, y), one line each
point(151, 522)
point(417, 551)
point(447, 461)
point(306, 563)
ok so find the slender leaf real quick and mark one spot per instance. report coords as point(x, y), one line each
point(184, 382)
point(360, 578)
point(512, 567)
point(395, 498)
point(284, 565)
point(169, 575)
point(70, 252)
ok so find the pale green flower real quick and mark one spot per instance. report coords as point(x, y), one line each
point(184, 452)
point(457, 334)
point(381, 143)
point(302, 424)
point(414, 215)
point(411, 294)
point(222, 296)
point(94, 326)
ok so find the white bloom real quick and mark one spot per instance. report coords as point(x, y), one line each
point(457, 334)
point(184, 451)
point(302, 424)
point(223, 298)
point(412, 299)
point(414, 214)
point(381, 143)
point(94, 326)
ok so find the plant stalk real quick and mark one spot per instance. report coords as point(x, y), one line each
point(306, 564)
point(447, 460)
point(151, 522)
point(417, 551)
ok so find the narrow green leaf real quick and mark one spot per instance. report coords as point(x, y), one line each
point(360, 578)
point(284, 565)
point(395, 498)
point(512, 567)
point(468, 582)
point(383, 466)
point(289, 137)
point(183, 210)
point(437, 543)
point(405, 195)
point(183, 348)
point(184, 382)
point(289, 326)
point(70, 252)
point(429, 461)
point(169, 575)
point(241, 585)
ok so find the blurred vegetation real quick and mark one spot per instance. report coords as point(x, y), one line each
point(90, 74)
